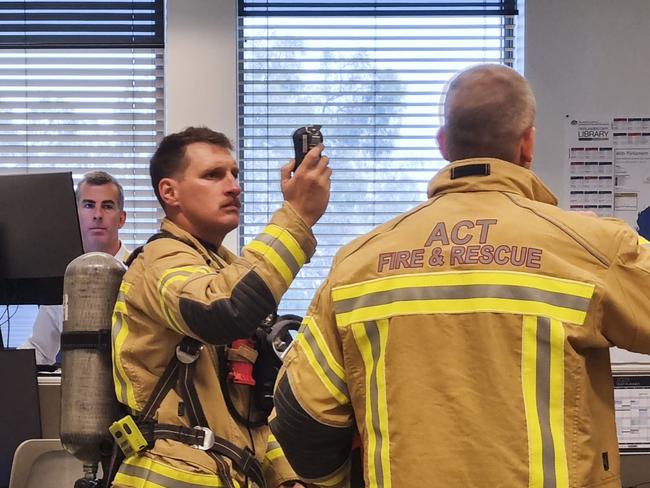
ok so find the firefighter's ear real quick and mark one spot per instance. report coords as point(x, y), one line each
point(527, 147)
point(168, 192)
point(442, 142)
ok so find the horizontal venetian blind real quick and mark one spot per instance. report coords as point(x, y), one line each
point(86, 109)
point(268, 8)
point(374, 83)
point(81, 89)
point(79, 23)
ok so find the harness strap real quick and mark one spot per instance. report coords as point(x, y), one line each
point(187, 346)
point(86, 339)
point(221, 447)
point(204, 439)
point(180, 371)
point(168, 235)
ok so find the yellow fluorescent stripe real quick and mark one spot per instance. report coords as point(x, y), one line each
point(285, 237)
point(118, 369)
point(126, 480)
point(274, 258)
point(461, 278)
point(318, 369)
point(120, 306)
point(274, 454)
point(557, 403)
point(322, 345)
point(465, 305)
point(338, 479)
point(175, 474)
point(378, 440)
point(360, 337)
point(165, 283)
point(119, 376)
point(382, 326)
point(188, 269)
point(170, 277)
point(114, 353)
point(643, 241)
point(115, 361)
point(529, 384)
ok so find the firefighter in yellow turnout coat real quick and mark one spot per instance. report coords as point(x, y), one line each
point(187, 285)
point(468, 339)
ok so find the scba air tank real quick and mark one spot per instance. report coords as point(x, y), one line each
point(88, 403)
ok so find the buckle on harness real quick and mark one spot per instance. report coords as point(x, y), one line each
point(208, 439)
point(186, 356)
point(248, 458)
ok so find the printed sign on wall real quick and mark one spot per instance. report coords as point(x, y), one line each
point(609, 168)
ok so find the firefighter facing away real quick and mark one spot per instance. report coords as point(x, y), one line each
point(185, 296)
point(468, 340)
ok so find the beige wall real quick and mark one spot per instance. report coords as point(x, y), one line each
point(584, 58)
point(201, 69)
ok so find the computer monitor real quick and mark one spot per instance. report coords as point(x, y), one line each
point(39, 236)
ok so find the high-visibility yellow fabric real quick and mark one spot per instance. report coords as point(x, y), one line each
point(168, 293)
point(468, 340)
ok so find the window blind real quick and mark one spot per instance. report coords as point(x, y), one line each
point(374, 83)
point(85, 109)
point(81, 89)
point(81, 23)
point(270, 8)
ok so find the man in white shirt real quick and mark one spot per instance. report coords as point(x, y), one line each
point(100, 204)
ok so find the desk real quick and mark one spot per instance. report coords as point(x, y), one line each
point(635, 469)
point(49, 399)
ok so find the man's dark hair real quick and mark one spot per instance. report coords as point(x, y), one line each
point(100, 178)
point(169, 158)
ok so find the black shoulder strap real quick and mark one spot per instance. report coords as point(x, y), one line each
point(167, 380)
point(163, 235)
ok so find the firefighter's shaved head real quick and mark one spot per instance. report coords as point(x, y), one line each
point(489, 111)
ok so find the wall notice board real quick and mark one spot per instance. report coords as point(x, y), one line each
point(608, 171)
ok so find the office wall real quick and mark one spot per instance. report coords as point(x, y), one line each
point(584, 58)
point(201, 69)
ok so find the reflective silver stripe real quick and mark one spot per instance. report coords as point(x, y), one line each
point(543, 372)
point(272, 445)
point(322, 361)
point(281, 249)
point(168, 277)
point(170, 314)
point(373, 337)
point(149, 476)
point(464, 291)
point(117, 327)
